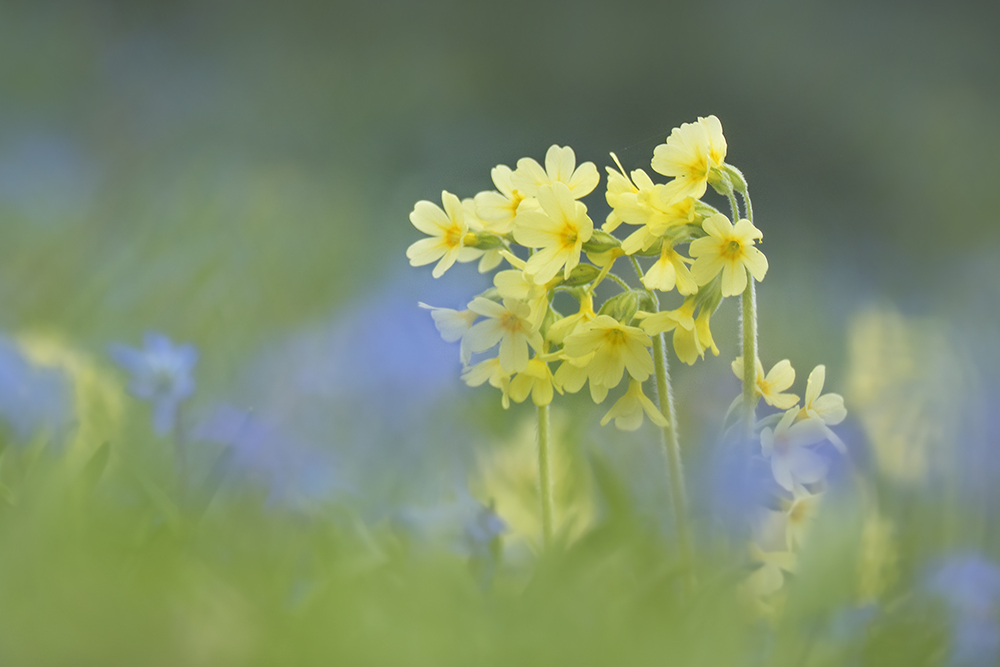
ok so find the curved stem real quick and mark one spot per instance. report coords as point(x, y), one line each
point(746, 200)
point(545, 475)
point(748, 316)
point(672, 452)
point(621, 283)
point(734, 206)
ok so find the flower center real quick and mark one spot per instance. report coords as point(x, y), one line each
point(568, 236)
point(453, 237)
point(732, 250)
point(511, 322)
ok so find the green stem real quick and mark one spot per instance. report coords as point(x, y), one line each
point(672, 452)
point(621, 283)
point(749, 335)
point(746, 200)
point(734, 206)
point(545, 475)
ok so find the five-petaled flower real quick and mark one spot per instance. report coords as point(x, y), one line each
point(560, 229)
point(730, 249)
point(447, 230)
point(161, 374)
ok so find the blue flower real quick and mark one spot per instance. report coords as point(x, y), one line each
point(161, 374)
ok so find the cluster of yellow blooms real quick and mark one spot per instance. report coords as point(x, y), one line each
point(541, 351)
point(539, 209)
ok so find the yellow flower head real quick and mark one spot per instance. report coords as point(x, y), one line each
point(447, 229)
point(691, 153)
point(670, 271)
point(771, 386)
point(729, 249)
point(690, 344)
point(827, 407)
point(508, 325)
point(490, 370)
point(560, 167)
point(452, 325)
point(561, 328)
point(668, 320)
point(498, 209)
point(537, 380)
point(615, 347)
point(560, 229)
point(628, 410)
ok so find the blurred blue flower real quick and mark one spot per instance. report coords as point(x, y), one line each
point(970, 587)
point(31, 397)
point(160, 374)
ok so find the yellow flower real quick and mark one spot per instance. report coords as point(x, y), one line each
point(508, 325)
point(639, 201)
point(537, 380)
point(668, 320)
point(488, 259)
point(827, 407)
point(690, 344)
point(560, 167)
point(561, 328)
point(499, 208)
point(452, 325)
point(573, 373)
point(560, 230)
point(490, 370)
point(691, 153)
point(728, 249)
point(514, 284)
point(771, 386)
point(615, 347)
point(447, 230)
point(670, 270)
point(628, 410)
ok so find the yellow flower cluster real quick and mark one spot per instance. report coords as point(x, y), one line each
point(535, 222)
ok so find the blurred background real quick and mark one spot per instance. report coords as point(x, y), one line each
point(238, 176)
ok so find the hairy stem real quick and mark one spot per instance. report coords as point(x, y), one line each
point(748, 315)
point(545, 475)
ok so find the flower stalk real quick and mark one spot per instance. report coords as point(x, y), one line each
point(545, 475)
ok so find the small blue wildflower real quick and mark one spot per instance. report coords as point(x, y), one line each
point(161, 374)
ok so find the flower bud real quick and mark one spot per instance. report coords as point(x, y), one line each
point(736, 177)
point(622, 306)
point(482, 240)
point(601, 241)
point(581, 274)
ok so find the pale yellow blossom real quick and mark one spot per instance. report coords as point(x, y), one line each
point(448, 233)
point(771, 386)
point(560, 167)
point(615, 347)
point(489, 370)
point(508, 325)
point(559, 230)
point(537, 380)
point(629, 409)
point(729, 249)
point(693, 154)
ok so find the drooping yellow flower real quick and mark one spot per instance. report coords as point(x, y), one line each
point(560, 167)
point(628, 410)
point(508, 325)
point(452, 325)
point(827, 407)
point(560, 229)
point(691, 344)
point(490, 370)
point(771, 386)
point(690, 155)
point(447, 230)
point(561, 328)
point(537, 380)
point(729, 249)
point(615, 347)
point(669, 271)
point(499, 208)
point(668, 320)
point(573, 373)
